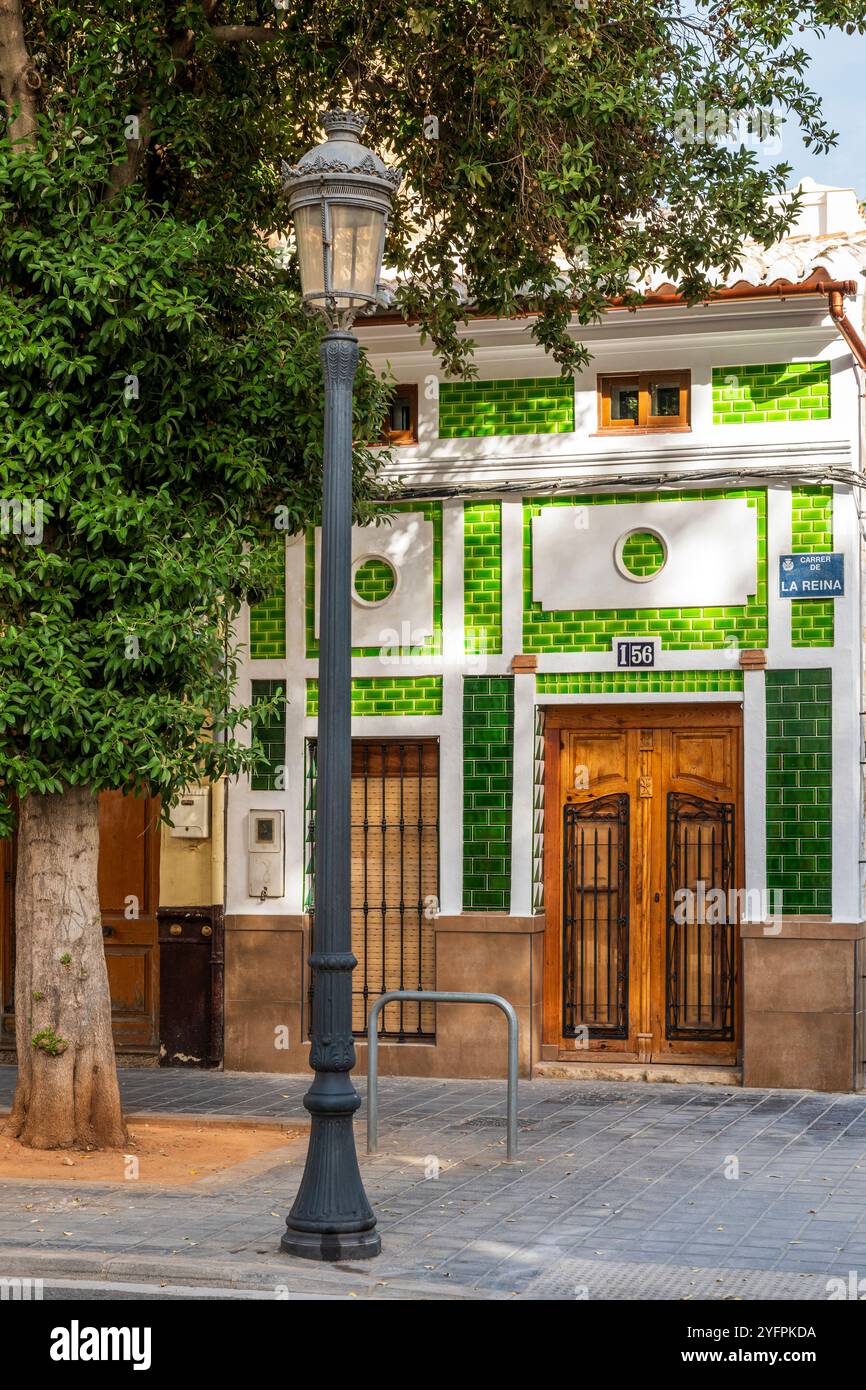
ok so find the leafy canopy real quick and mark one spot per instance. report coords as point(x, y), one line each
point(160, 392)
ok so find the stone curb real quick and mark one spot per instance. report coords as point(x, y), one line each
point(345, 1281)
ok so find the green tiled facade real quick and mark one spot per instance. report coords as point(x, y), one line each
point(482, 576)
point(679, 629)
point(431, 511)
point(270, 731)
point(476, 409)
point(811, 533)
point(637, 682)
point(374, 580)
point(776, 392)
point(388, 695)
point(488, 755)
point(268, 624)
point(799, 789)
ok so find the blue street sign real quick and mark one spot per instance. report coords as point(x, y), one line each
point(811, 576)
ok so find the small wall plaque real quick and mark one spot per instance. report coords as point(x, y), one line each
point(634, 653)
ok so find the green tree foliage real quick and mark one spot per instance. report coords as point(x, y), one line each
point(160, 398)
point(159, 385)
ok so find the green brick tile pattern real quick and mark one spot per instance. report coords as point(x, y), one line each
point(477, 409)
point(482, 576)
point(637, 682)
point(679, 629)
point(488, 757)
point(388, 695)
point(431, 511)
point(374, 580)
point(811, 533)
point(800, 789)
point(778, 392)
point(268, 624)
point(643, 554)
point(269, 730)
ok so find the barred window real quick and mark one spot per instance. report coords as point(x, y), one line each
point(395, 877)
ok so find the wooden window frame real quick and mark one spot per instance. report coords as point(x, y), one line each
point(410, 436)
point(645, 423)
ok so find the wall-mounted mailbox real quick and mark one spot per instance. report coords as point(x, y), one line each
point(190, 817)
point(265, 855)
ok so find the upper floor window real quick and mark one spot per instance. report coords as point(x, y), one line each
point(401, 420)
point(643, 401)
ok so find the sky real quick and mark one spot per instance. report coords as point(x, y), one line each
point(838, 75)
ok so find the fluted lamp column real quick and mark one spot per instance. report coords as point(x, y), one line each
point(340, 194)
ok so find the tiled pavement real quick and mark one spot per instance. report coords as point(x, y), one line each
point(620, 1191)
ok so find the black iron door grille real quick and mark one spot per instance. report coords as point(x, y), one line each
point(395, 879)
point(595, 910)
point(701, 919)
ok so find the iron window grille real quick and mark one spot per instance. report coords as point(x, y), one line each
point(701, 919)
point(395, 878)
point(595, 917)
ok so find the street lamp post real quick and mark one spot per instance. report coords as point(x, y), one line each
point(340, 195)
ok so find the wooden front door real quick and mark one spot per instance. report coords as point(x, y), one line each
point(643, 863)
point(129, 896)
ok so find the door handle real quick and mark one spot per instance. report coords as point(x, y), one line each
point(108, 931)
point(658, 897)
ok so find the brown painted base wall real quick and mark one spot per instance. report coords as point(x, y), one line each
point(804, 1015)
point(803, 1005)
point(266, 997)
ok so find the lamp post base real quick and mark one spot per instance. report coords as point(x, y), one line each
point(332, 1247)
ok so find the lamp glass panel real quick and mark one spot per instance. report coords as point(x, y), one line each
point(357, 239)
point(311, 253)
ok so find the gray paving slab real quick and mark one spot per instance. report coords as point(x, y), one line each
point(620, 1190)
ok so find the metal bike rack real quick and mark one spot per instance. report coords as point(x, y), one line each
point(437, 996)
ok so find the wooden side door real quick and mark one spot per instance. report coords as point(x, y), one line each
point(129, 896)
point(7, 943)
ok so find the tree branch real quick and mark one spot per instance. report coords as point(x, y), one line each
point(19, 79)
point(240, 33)
point(124, 174)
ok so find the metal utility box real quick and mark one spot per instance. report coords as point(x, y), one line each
point(190, 818)
point(265, 855)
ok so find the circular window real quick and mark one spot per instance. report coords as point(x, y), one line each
point(374, 580)
point(641, 555)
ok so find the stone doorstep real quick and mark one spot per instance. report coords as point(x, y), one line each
point(638, 1071)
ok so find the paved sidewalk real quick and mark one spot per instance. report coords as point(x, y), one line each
point(620, 1191)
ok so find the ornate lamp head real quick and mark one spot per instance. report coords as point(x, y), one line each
point(340, 195)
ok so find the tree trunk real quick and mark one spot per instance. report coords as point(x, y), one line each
point(19, 79)
point(67, 1094)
